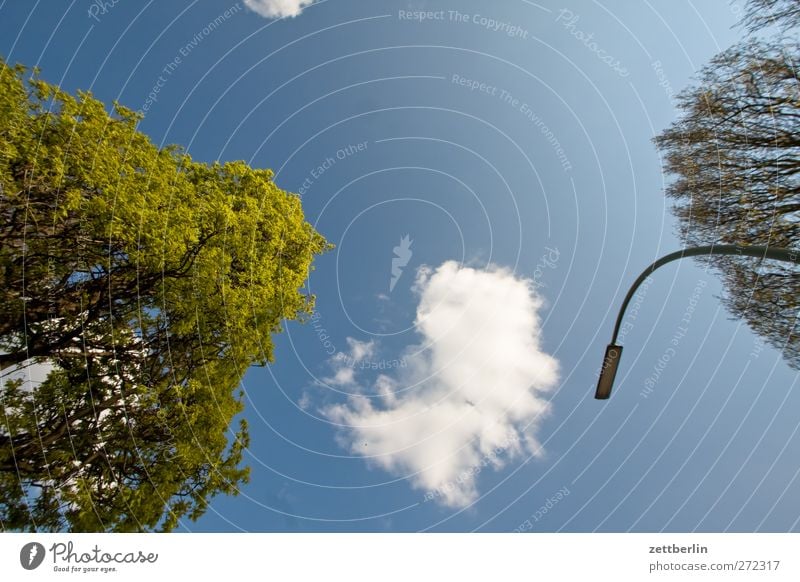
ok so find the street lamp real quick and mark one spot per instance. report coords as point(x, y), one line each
point(614, 352)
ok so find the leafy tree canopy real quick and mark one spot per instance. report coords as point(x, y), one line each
point(150, 282)
point(735, 156)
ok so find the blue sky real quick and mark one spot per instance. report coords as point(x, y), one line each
point(510, 141)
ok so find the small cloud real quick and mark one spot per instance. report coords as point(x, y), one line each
point(343, 376)
point(305, 401)
point(277, 8)
point(361, 350)
point(402, 254)
point(472, 395)
point(343, 364)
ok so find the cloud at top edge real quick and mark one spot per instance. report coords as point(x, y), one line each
point(277, 8)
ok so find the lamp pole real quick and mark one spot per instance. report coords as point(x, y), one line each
point(613, 351)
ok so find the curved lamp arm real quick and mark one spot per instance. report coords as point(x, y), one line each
point(613, 351)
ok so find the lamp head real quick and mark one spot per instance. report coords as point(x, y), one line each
point(608, 372)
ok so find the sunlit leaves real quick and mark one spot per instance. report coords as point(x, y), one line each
point(152, 282)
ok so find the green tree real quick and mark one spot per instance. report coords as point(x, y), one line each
point(150, 282)
point(735, 156)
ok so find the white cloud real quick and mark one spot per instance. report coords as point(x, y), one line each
point(344, 376)
point(344, 364)
point(361, 350)
point(277, 8)
point(472, 395)
point(305, 401)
